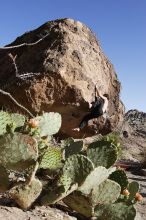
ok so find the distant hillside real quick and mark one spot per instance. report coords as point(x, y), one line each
point(134, 136)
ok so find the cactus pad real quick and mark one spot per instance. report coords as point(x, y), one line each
point(76, 169)
point(67, 142)
point(105, 193)
point(18, 119)
point(24, 195)
point(120, 177)
point(102, 153)
point(116, 211)
point(133, 188)
point(5, 119)
point(73, 148)
point(97, 176)
point(18, 151)
point(49, 123)
point(56, 194)
point(52, 159)
point(80, 203)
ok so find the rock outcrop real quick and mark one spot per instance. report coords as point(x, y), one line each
point(59, 65)
point(134, 136)
point(137, 120)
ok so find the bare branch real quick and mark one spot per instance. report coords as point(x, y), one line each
point(15, 101)
point(24, 44)
point(13, 58)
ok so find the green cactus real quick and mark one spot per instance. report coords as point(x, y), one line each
point(67, 142)
point(106, 192)
point(18, 151)
point(116, 211)
point(5, 119)
point(115, 139)
point(133, 188)
point(102, 153)
point(52, 159)
point(96, 176)
point(49, 123)
point(25, 194)
point(96, 189)
point(75, 170)
point(55, 194)
point(80, 203)
point(120, 177)
point(74, 147)
point(11, 121)
point(88, 184)
point(18, 119)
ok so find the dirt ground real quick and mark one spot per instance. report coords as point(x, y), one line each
point(38, 213)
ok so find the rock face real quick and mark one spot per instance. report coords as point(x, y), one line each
point(62, 71)
point(137, 120)
point(134, 136)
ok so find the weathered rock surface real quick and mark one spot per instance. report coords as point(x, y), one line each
point(134, 136)
point(65, 66)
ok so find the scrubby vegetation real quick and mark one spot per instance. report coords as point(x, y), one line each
point(34, 167)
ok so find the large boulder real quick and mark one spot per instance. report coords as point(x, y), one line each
point(65, 67)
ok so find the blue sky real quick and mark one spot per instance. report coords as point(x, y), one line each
point(119, 25)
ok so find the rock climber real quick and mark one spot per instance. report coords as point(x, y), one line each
point(97, 108)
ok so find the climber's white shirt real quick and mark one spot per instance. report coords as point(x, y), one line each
point(105, 105)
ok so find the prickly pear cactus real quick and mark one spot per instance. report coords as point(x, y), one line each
point(120, 177)
point(106, 192)
point(75, 170)
point(102, 153)
point(74, 147)
point(133, 188)
point(96, 176)
point(80, 203)
point(88, 184)
point(5, 119)
point(18, 151)
point(67, 142)
point(25, 194)
point(114, 138)
point(56, 194)
point(116, 211)
point(52, 159)
point(96, 189)
point(49, 123)
point(18, 119)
